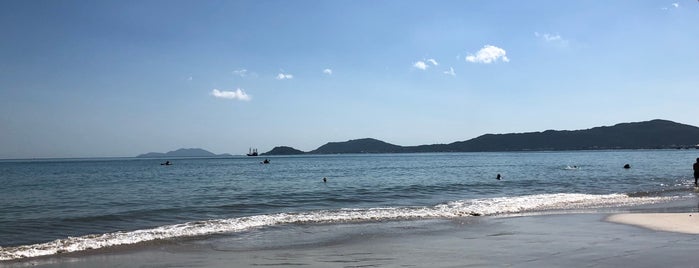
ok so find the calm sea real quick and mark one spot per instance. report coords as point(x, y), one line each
point(66, 205)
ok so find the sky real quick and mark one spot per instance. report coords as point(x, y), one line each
point(120, 78)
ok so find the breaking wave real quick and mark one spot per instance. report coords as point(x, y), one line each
point(454, 209)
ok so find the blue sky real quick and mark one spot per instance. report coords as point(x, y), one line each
point(120, 78)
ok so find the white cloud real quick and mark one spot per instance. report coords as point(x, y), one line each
point(328, 71)
point(420, 65)
point(450, 72)
point(548, 37)
point(238, 94)
point(423, 64)
point(241, 72)
point(552, 38)
point(674, 5)
point(283, 76)
point(488, 54)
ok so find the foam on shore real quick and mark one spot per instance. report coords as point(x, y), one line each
point(687, 223)
point(454, 209)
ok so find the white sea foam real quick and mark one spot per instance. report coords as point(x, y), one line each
point(462, 208)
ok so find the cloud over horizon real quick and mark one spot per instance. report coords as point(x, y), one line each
point(488, 54)
point(238, 94)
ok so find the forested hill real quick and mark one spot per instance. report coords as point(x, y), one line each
point(654, 134)
point(358, 146)
point(184, 152)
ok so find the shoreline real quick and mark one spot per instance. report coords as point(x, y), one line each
point(528, 241)
point(566, 239)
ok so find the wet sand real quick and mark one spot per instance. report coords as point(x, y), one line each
point(529, 241)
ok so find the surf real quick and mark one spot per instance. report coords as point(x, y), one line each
point(452, 209)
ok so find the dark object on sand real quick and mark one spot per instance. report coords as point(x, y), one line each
point(696, 173)
point(627, 166)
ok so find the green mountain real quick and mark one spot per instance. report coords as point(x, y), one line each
point(283, 150)
point(359, 146)
point(654, 134)
point(189, 152)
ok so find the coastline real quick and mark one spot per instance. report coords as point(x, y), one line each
point(568, 239)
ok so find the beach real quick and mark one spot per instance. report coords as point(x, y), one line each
point(687, 223)
point(432, 210)
point(388, 133)
point(588, 239)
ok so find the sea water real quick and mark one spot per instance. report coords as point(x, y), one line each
point(53, 206)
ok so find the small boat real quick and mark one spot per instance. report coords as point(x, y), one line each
point(252, 152)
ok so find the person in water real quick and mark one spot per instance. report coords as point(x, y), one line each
point(325, 179)
point(498, 177)
point(696, 173)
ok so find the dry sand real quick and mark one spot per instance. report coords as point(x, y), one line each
point(687, 223)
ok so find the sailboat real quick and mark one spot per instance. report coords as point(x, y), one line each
point(252, 152)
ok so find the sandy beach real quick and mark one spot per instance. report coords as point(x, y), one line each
point(687, 223)
point(572, 240)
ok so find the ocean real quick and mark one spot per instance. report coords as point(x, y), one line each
point(54, 206)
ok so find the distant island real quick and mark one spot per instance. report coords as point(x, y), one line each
point(189, 152)
point(654, 134)
point(283, 150)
